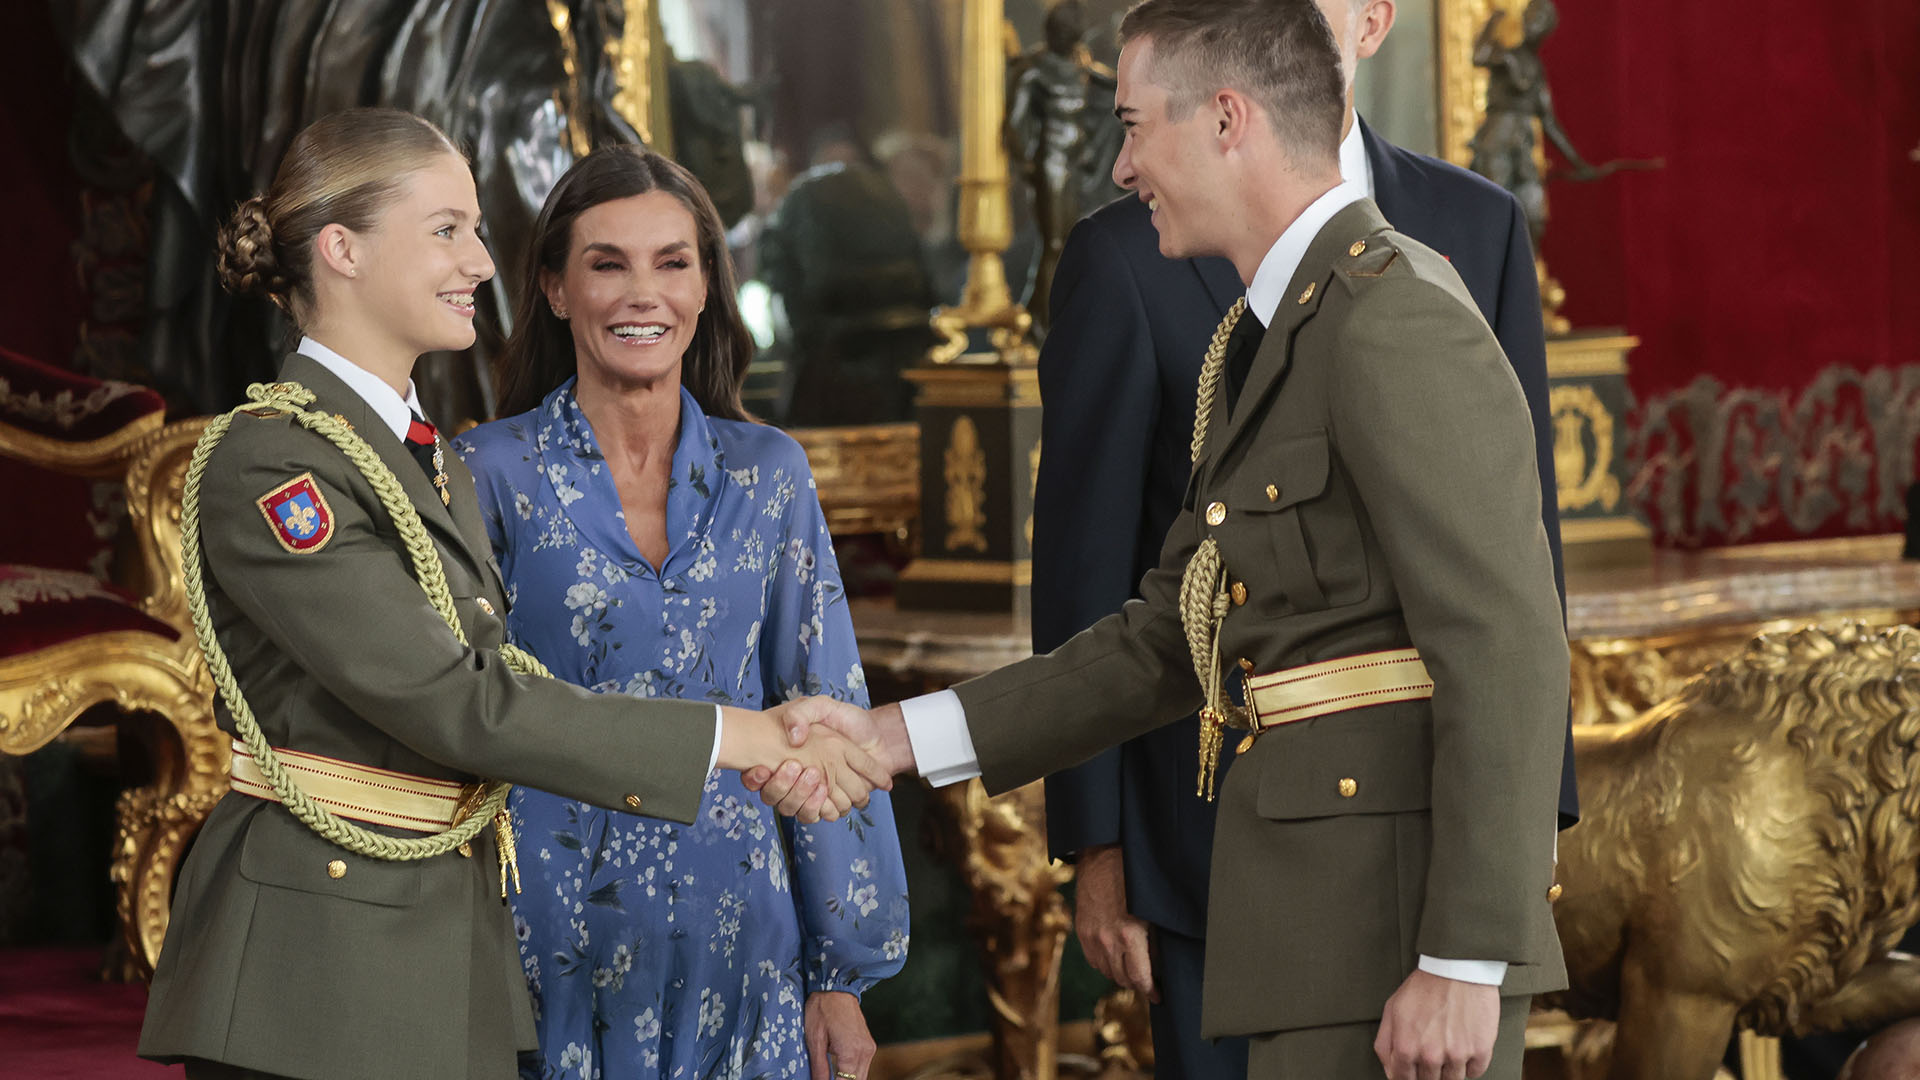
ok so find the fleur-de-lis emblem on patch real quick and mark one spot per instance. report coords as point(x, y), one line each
point(302, 519)
point(298, 514)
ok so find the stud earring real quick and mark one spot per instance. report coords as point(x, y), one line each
point(560, 313)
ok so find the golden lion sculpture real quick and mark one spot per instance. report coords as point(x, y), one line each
point(1750, 851)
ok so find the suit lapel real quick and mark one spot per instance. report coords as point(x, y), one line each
point(1222, 282)
point(332, 395)
point(1390, 194)
point(1297, 305)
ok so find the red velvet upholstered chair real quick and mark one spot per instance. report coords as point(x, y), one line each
point(91, 614)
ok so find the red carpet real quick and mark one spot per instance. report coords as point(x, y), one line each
point(58, 1021)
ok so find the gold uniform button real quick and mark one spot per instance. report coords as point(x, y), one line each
point(1246, 665)
point(337, 869)
point(1308, 295)
point(1273, 493)
point(1239, 592)
point(486, 605)
point(1358, 247)
point(1349, 787)
point(1216, 513)
point(1553, 894)
point(633, 802)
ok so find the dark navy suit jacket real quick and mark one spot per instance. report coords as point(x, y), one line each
point(1118, 374)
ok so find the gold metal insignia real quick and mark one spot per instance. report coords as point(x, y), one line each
point(1308, 295)
point(1358, 247)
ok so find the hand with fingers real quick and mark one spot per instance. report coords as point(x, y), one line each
point(838, 1042)
point(1437, 1028)
point(1114, 940)
point(880, 734)
point(821, 781)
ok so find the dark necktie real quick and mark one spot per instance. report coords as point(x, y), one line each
point(1242, 346)
point(420, 441)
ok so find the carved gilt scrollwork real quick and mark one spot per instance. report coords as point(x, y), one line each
point(44, 691)
point(1018, 916)
point(1585, 478)
point(966, 475)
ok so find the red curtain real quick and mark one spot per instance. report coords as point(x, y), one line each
point(1770, 268)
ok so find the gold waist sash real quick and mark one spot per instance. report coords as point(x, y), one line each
point(1350, 682)
point(359, 792)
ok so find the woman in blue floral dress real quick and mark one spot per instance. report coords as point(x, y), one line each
point(656, 542)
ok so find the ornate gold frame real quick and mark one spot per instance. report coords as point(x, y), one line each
point(1463, 87)
point(43, 692)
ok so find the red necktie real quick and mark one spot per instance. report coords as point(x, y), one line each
point(421, 439)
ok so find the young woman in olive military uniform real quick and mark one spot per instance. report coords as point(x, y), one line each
point(353, 620)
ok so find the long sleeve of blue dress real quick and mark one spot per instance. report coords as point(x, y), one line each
point(852, 894)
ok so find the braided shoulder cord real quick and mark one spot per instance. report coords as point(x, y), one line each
point(1203, 585)
point(292, 398)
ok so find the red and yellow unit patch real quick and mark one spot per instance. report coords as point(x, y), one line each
point(298, 515)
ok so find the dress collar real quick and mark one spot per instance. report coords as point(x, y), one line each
point(577, 471)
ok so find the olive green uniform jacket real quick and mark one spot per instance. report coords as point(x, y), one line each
point(1378, 486)
point(394, 969)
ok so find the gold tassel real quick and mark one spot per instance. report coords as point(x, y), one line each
point(509, 856)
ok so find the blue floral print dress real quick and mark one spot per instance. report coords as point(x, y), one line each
point(654, 949)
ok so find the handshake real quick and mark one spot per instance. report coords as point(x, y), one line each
point(815, 758)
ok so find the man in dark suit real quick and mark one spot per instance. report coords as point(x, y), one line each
point(1117, 374)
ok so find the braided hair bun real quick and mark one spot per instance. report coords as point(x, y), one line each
point(247, 263)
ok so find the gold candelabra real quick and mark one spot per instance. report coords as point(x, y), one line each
point(985, 227)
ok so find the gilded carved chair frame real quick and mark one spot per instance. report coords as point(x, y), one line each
point(43, 692)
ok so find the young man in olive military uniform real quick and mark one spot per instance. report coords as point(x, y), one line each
point(1360, 554)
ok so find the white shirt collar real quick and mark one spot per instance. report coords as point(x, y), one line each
point(1283, 258)
point(392, 409)
point(1354, 165)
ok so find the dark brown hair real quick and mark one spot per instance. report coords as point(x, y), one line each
point(343, 169)
point(540, 351)
point(1280, 53)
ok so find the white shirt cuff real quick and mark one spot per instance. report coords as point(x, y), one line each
point(714, 757)
point(937, 731)
point(1483, 972)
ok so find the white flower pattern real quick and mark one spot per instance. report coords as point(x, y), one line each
point(654, 949)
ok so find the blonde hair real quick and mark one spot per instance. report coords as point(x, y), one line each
point(343, 169)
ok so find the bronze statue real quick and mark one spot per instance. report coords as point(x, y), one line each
point(211, 91)
point(1750, 853)
point(1062, 138)
point(1517, 95)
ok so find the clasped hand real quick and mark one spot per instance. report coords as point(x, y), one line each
point(830, 756)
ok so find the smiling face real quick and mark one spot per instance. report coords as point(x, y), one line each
point(632, 289)
point(423, 260)
point(1167, 160)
